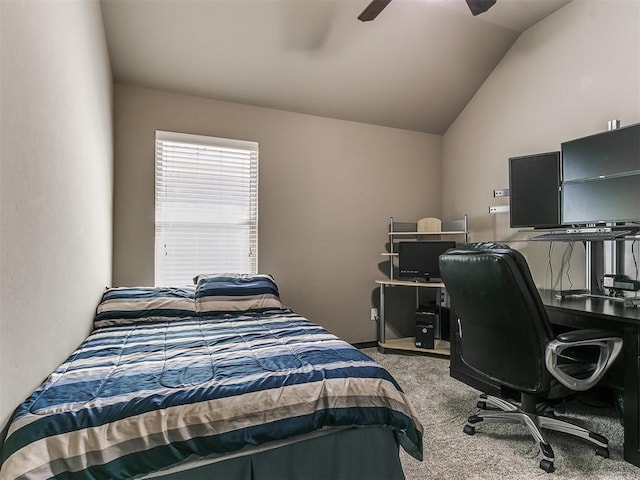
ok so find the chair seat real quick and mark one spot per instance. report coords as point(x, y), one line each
point(577, 366)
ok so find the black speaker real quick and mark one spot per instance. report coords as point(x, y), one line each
point(425, 329)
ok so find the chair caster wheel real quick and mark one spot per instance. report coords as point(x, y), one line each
point(547, 466)
point(481, 405)
point(469, 430)
point(603, 452)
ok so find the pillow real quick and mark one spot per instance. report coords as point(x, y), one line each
point(235, 292)
point(127, 305)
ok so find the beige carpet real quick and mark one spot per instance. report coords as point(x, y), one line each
point(495, 451)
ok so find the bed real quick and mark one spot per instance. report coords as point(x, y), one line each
point(213, 381)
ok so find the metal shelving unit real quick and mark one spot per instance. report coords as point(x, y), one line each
point(396, 230)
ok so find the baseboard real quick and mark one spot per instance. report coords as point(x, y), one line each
point(362, 345)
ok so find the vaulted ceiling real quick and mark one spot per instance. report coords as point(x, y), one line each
point(414, 67)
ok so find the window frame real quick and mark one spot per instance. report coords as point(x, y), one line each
point(202, 170)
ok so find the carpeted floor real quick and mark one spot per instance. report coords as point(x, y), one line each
point(495, 451)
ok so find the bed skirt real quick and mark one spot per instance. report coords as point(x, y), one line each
point(355, 453)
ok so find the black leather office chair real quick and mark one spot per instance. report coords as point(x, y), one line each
point(506, 335)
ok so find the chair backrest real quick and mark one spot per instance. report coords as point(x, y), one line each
point(504, 326)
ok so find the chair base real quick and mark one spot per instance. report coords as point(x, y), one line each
point(509, 413)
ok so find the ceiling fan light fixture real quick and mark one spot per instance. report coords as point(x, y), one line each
point(373, 10)
point(480, 6)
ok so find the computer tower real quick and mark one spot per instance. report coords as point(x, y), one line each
point(425, 329)
point(441, 329)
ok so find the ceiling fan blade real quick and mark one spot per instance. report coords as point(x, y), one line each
point(480, 6)
point(373, 10)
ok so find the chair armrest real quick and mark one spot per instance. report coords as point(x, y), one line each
point(586, 334)
point(609, 343)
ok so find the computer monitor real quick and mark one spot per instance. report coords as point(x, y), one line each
point(606, 200)
point(604, 154)
point(534, 190)
point(601, 178)
point(419, 259)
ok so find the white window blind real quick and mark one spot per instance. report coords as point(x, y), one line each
point(206, 207)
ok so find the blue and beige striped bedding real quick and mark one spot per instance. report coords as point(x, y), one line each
point(235, 292)
point(126, 305)
point(139, 397)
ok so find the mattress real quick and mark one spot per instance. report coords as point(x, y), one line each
point(141, 397)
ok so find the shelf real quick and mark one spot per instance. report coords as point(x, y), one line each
point(407, 283)
point(408, 344)
point(450, 232)
point(410, 230)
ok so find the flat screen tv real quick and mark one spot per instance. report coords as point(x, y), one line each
point(601, 178)
point(419, 260)
point(534, 190)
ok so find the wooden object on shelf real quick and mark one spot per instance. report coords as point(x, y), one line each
point(429, 224)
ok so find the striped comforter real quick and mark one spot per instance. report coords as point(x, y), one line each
point(138, 398)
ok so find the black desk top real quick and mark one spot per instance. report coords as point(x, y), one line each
point(600, 308)
point(595, 312)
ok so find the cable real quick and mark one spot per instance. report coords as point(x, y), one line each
point(549, 266)
point(633, 254)
point(570, 248)
point(559, 279)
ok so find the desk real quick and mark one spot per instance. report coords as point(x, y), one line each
point(587, 312)
point(582, 312)
point(406, 344)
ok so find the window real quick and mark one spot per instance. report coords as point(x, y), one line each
point(206, 207)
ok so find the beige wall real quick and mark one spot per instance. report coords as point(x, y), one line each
point(563, 78)
point(327, 189)
point(56, 185)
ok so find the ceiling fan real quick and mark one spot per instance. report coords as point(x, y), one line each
point(376, 6)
